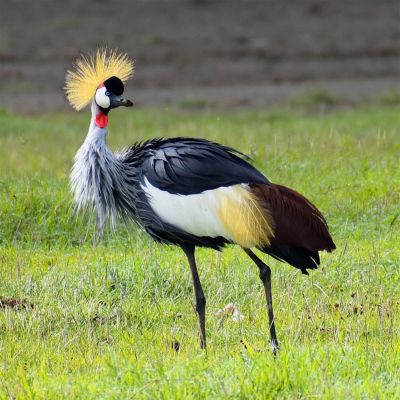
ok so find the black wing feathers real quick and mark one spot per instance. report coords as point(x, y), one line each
point(189, 166)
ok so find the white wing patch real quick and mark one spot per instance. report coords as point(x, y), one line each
point(196, 214)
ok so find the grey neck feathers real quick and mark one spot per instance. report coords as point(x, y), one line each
point(100, 181)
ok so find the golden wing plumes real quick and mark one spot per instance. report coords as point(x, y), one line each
point(245, 219)
point(91, 70)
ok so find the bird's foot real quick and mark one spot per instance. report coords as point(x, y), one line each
point(275, 347)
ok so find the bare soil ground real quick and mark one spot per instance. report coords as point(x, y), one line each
point(225, 53)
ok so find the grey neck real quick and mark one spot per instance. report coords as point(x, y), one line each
point(94, 172)
point(100, 180)
point(95, 133)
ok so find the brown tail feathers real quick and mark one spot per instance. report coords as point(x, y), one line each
point(300, 230)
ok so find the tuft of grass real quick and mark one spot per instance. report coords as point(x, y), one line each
point(193, 104)
point(104, 321)
point(318, 99)
point(389, 98)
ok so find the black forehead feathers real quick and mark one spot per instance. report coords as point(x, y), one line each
point(114, 85)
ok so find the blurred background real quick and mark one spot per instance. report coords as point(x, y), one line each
point(224, 54)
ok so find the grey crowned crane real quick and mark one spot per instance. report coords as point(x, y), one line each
point(187, 192)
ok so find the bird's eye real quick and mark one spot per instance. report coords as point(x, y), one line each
point(107, 93)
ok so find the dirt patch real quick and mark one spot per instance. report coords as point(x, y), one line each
point(16, 304)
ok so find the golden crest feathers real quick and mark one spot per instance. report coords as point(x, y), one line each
point(92, 70)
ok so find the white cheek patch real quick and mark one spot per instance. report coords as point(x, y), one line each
point(101, 99)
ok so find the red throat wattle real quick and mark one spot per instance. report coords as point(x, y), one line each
point(101, 120)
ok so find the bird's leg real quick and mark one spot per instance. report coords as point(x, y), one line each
point(265, 276)
point(199, 294)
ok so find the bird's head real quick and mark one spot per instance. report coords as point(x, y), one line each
point(99, 78)
point(109, 95)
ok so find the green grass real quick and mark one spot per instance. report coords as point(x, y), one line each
point(104, 317)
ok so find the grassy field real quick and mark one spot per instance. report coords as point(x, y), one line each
point(99, 322)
